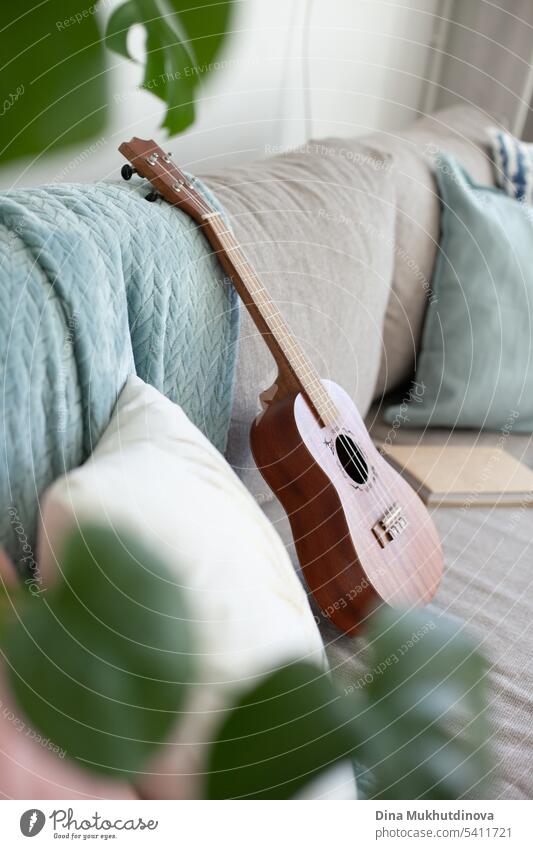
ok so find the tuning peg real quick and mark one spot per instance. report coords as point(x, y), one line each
point(151, 196)
point(127, 171)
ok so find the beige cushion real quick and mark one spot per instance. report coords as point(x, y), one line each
point(462, 131)
point(155, 474)
point(318, 225)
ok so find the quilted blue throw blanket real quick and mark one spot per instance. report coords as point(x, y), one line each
point(96, 283)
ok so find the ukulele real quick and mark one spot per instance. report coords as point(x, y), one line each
point(362, 535)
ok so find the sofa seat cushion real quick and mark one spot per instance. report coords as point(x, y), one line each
point(318, 225)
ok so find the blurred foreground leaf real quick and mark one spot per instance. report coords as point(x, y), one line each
point(279, 736)
point(100, 663)
point(52, 77)
point(182, 40)
point(424, 734)
point(53, 81)
point(416, 720)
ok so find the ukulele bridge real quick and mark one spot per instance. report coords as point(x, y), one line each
point(391, 525)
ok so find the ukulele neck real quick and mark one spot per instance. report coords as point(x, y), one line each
point(296, 372)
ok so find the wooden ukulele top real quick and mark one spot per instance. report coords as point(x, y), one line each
point(296, 372)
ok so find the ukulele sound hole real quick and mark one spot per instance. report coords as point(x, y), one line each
point(351, 459)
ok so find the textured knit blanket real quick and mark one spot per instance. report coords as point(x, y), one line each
point(96, 283)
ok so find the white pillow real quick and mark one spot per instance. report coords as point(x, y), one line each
point(154, 473)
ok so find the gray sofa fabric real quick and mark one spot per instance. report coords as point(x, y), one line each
point(332, 278)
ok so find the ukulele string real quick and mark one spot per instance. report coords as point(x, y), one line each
point(240, 265)
point(207, 209)
point(359, 465)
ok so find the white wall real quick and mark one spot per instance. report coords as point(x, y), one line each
point(369, 61)
point(292, 68)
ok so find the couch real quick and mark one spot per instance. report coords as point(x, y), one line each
point(345, 235)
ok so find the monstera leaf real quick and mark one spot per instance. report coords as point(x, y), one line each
point(424, 732)
point(182, 40)
point(415, 719)
point(280, 735)
point(54, 82)
point(100, 663)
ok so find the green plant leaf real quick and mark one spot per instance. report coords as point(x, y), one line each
point(181, 44)
point(287, 730)
point(53, 82)
point(424, 733)
point(418, 723)
point(205, 24)
point(118, 26)
point(100, 663)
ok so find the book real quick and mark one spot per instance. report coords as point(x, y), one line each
point(462, 475)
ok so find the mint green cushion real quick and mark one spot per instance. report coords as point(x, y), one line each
point(475, 368)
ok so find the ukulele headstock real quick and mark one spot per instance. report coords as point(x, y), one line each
point(148, 160)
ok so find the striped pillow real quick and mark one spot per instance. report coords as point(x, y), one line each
point(513, 161)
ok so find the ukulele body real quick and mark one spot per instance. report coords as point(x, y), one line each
point(362, 535)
